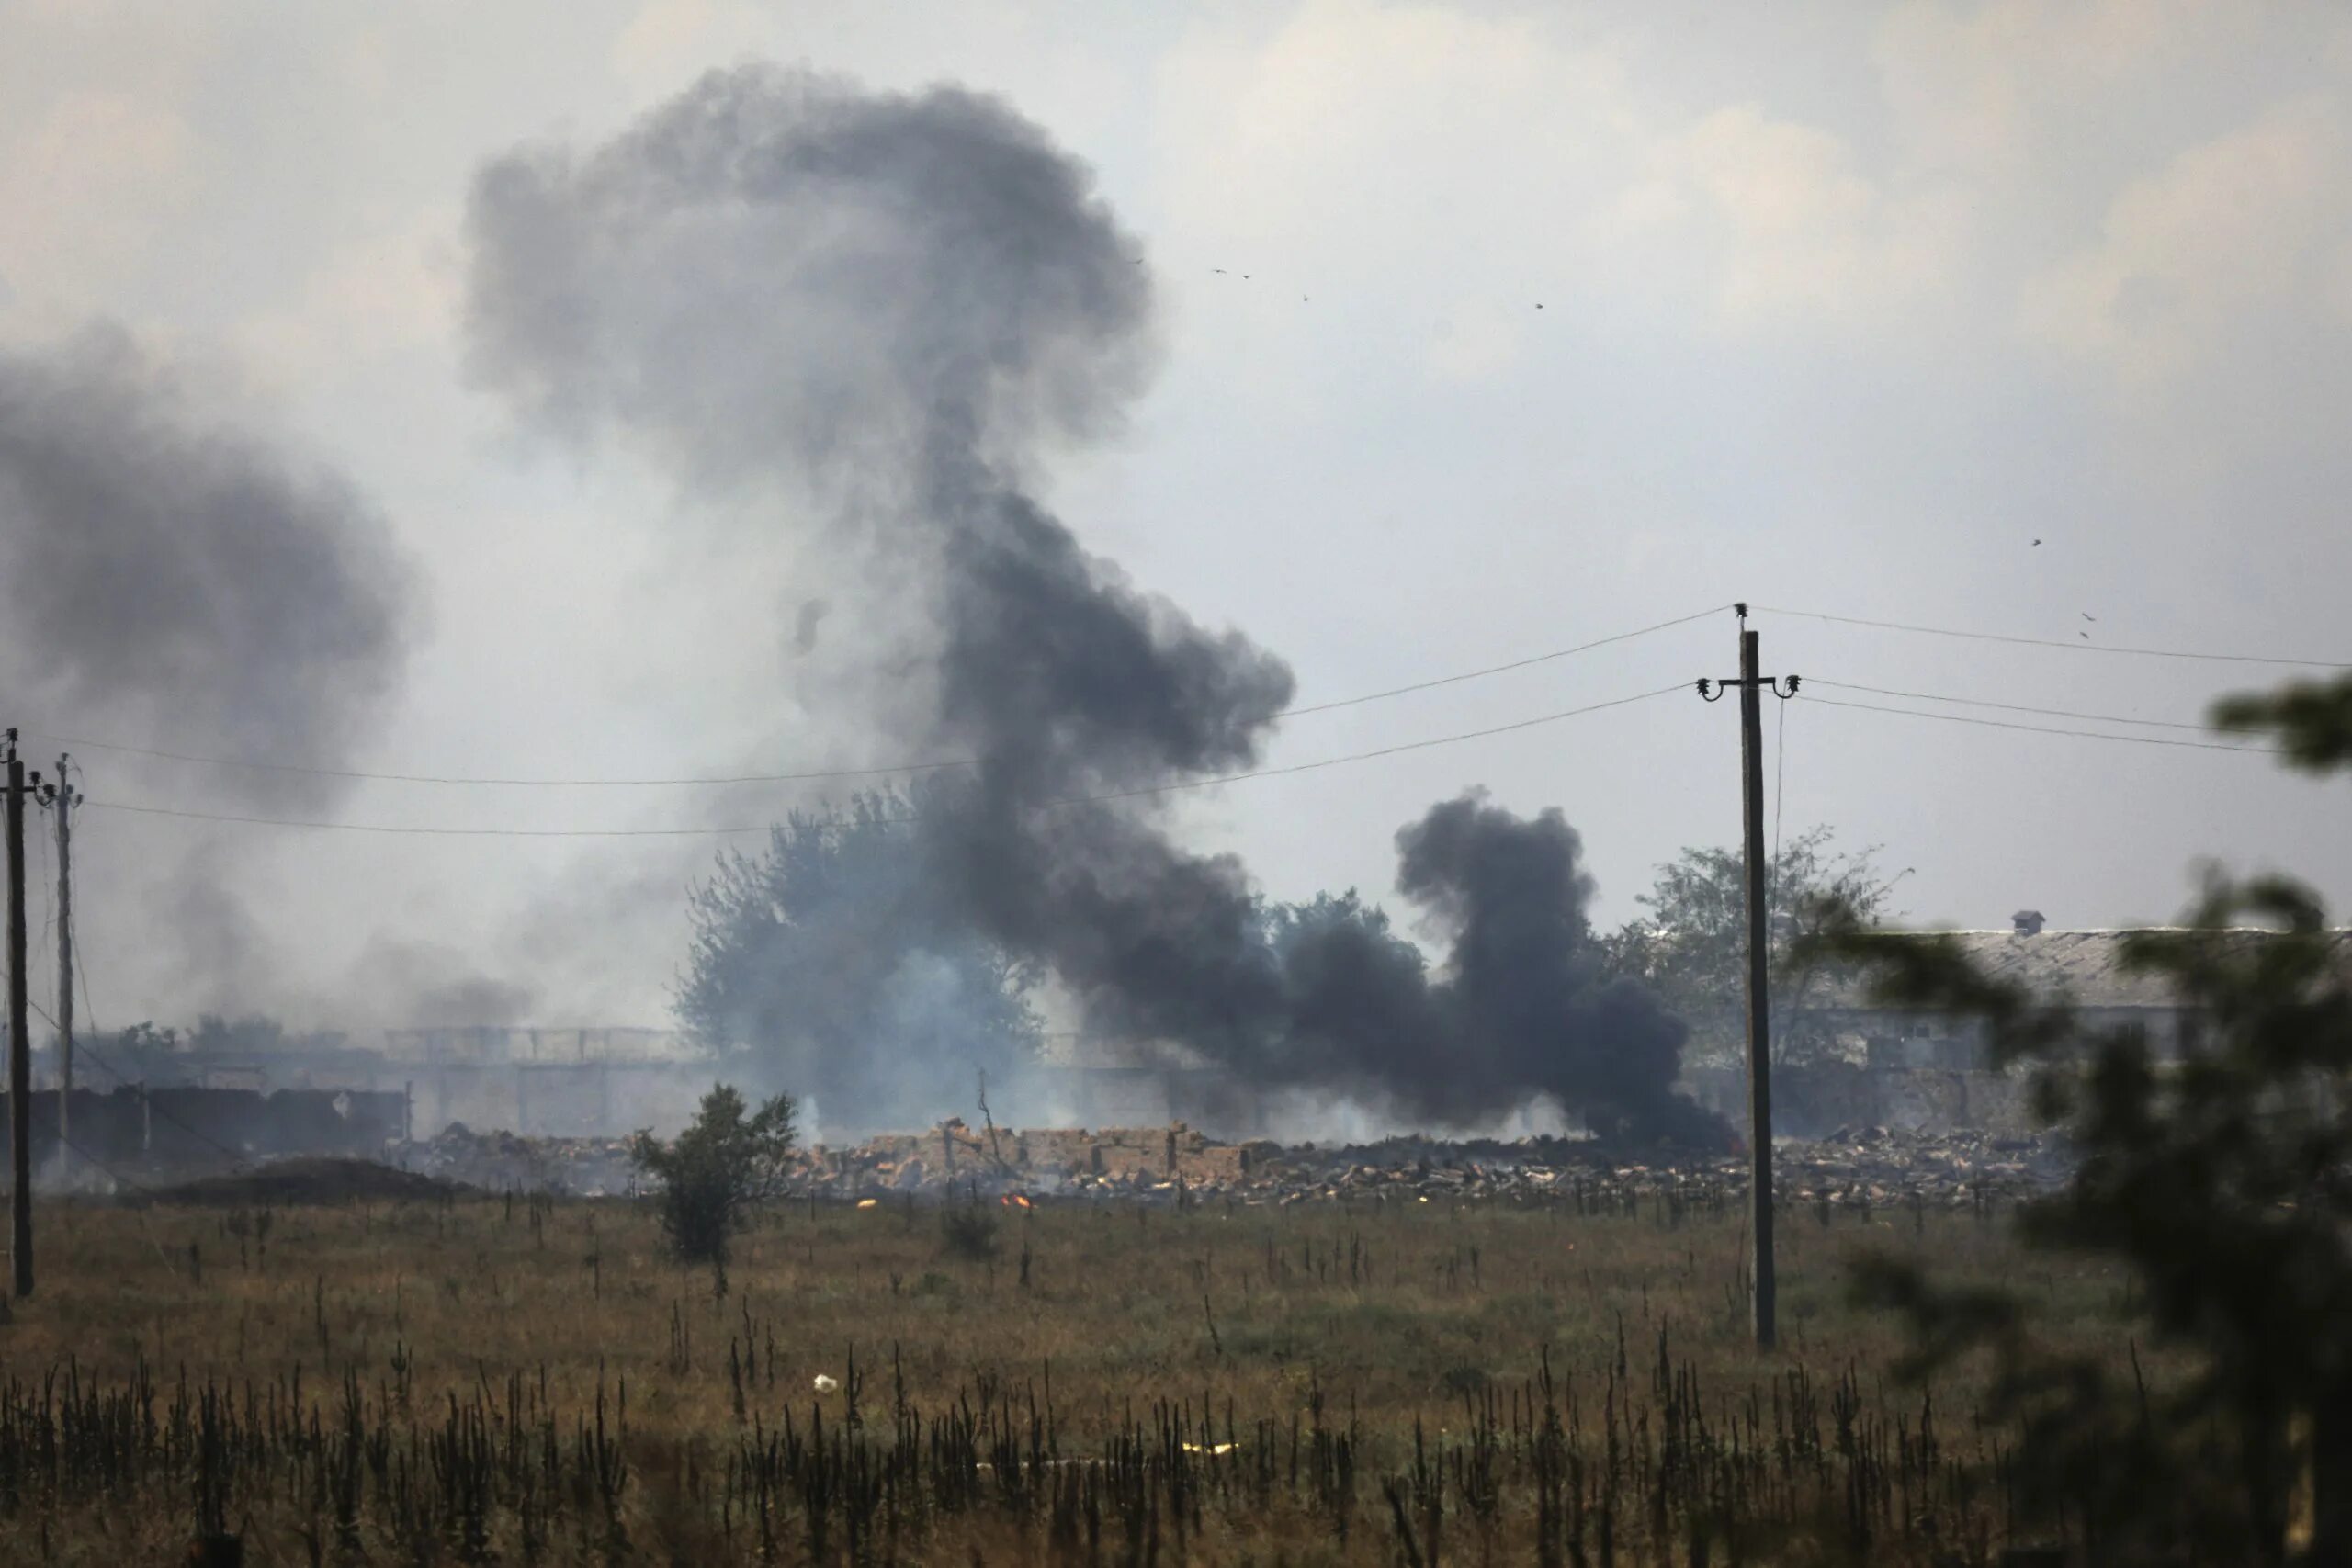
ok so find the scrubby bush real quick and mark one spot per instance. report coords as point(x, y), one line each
point(968, 1231)
point(720, 1166)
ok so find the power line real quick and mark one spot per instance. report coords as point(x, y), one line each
point(152, 1109)
point(822, 773)
point(532, 783)
point(1366, 756)
point(1780, 772)
point(82, 969)
point(1064, 802)
point(1499, 668)
point(2042, 730)
point(2013, 708)
point(2053, 642)
point(439, 833)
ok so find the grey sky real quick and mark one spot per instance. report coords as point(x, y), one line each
point(1839, 312)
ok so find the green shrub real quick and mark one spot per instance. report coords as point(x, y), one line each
point(717, 1169)
point(968, 1231)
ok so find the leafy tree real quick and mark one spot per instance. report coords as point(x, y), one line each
point(2220, 1178)
point(720, 1166)
point(1690, 943)
point(2310, 719)
point(832, 957)
point(1284, 924)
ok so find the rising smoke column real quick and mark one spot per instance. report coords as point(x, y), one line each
point(180, 582)
point(1525, 993)
point(185, 581)
point(777, 284)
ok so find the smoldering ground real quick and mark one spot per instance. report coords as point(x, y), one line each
point(781, 288)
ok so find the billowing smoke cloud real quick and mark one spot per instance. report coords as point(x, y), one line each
point(1525, 1001)
point(182, 584)
point(777, 282)
point(185, 581)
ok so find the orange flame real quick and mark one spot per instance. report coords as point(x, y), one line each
point(1011, 1199)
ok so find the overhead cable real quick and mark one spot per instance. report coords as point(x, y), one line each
point(831, 823)
point(820, 773)
point(2041, 729)
point(2012, 708)
point(2053, 642)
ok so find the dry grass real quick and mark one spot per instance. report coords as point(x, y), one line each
point(423, 1382)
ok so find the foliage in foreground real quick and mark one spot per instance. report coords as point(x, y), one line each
point(2219, 1177)
point(719, 1168)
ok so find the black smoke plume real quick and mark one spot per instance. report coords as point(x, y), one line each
point(778, 284)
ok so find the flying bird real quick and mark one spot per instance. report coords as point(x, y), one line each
point(2037, 541)
point(2084, 635)
point(2088, 616)
point(1220, 271)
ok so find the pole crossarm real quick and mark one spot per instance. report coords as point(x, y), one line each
point(1713, 691)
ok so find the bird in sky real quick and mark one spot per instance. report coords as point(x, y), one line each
point(2084, 635)
point(2037, 541)
point(2088, 616)
point(1220, 271)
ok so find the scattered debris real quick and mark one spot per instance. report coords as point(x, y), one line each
point(1176, 1165)
point(508, 1162)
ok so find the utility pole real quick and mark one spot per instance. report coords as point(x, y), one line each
point(65, 803)
point(1763, 1284)
point(20, 1057)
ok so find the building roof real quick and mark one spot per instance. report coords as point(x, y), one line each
point(2087, 965)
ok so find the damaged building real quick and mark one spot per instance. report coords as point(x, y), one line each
point(1920, 1069)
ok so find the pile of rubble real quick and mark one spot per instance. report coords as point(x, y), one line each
point(1875, 1166)
point(500, 1161)
point(1855, 1168)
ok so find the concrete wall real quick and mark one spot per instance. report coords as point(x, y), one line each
point(210, 1126)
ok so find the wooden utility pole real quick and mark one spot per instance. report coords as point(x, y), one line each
point(64, 805)
point(1763, 1284)
point(1766, 1286)
point(20, 1057)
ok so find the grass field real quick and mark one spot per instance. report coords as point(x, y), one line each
point(530, 1381)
